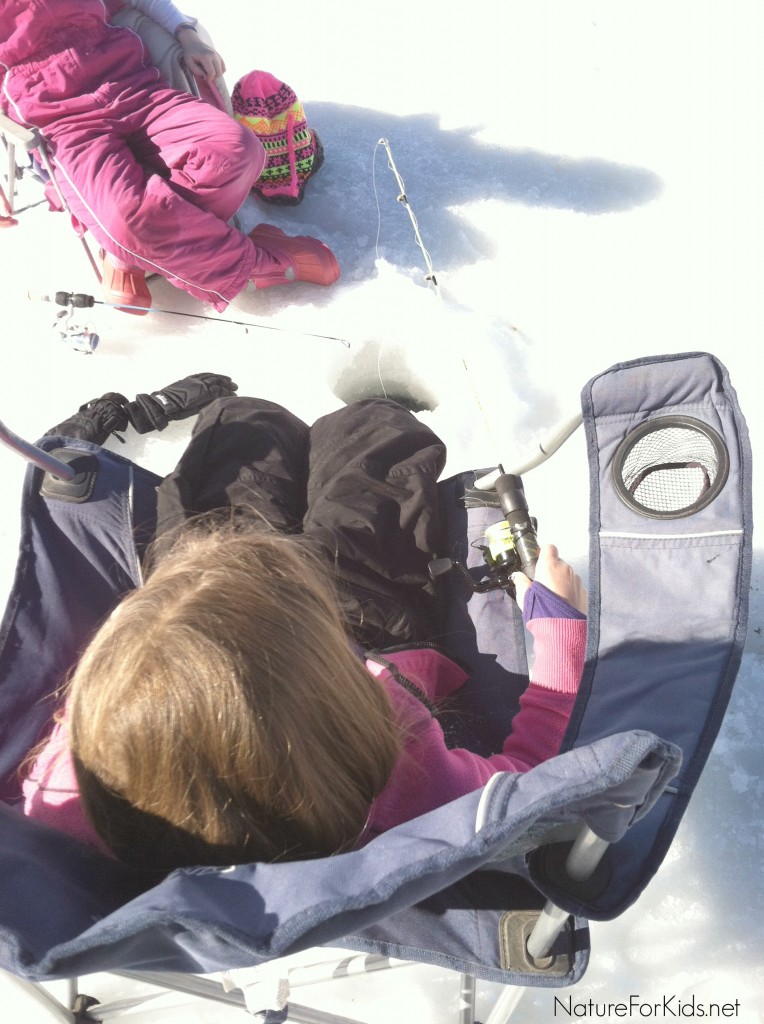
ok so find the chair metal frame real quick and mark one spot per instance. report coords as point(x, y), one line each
point(78, 1008)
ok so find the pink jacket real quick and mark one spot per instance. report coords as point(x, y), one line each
point(55, 56)
point(55, 49)
point(428, 774)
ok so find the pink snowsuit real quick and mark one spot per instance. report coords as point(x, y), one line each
point(152, 173)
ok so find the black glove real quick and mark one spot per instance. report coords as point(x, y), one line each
point(96, 419)
point(177, 401)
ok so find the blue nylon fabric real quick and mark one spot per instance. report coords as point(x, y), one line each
point(668, 598)
point(75, 562)
point(484, 632)
point(431, 890)
point(208, 919)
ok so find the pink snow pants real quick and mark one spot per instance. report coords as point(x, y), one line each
point(152, 173)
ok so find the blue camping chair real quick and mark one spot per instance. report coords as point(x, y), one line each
point(501, 883)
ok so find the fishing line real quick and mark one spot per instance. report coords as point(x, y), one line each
point(557, 437)
point(376, 252)
point(430, 276)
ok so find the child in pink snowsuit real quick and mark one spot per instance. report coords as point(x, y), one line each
point(153, 173)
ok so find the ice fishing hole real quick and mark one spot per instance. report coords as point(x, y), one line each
point(383, 371)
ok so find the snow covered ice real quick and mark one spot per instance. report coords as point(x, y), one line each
point(588, 179)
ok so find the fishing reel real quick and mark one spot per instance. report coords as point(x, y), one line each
point(510, 544)
point(80, 337)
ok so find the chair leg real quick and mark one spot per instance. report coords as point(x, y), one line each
point(11, 177)
point(7, 220)
point(93, 260)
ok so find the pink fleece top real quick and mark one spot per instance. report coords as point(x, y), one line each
point(428, 774)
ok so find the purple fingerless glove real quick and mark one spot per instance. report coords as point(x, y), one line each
point(542, 603)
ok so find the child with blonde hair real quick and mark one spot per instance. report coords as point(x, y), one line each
point(226, 712)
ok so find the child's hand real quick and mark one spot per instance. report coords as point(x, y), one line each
point(557, 576)
point(200, 59)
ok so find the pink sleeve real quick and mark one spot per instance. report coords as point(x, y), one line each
point(429, 774)
point(559, 647)
point(51, 794)
point(436, 675)
point(164, 12)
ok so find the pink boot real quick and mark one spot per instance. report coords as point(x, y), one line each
point(298, 258)
point(124, 287)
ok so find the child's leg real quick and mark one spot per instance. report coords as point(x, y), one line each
point(244, 452)
point(141, 211)
point(373, 509)
point(211, 159)
point(140, 218)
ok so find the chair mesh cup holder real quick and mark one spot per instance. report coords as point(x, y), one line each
point(670, 467)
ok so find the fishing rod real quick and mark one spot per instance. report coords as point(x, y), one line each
point(81, 300)
point(545, 449)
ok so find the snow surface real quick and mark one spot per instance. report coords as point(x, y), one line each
point(587, 178)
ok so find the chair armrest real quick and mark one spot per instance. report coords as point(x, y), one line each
point(15, 135)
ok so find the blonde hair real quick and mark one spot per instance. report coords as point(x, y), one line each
point(221, 716)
